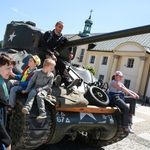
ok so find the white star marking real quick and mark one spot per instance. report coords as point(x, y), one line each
point(11, 36)
point(82, 115)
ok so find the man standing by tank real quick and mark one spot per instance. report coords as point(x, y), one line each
point(51, 41)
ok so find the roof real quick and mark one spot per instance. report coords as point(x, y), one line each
point(69, 35)
point(110, 45)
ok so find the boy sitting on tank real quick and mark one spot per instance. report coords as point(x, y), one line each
point(21, 80)
point(40, 86)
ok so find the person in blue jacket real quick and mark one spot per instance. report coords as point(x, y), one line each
point(6, 65)
point(21, 80)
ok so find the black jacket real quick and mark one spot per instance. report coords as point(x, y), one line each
point(4, 137)
point(51, 42)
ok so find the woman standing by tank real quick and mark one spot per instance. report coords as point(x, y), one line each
point(117, 97)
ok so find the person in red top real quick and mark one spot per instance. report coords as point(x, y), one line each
point(22, 80)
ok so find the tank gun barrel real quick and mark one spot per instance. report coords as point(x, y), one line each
point(108, 36)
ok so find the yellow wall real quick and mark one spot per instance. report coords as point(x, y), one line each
point(125, 51)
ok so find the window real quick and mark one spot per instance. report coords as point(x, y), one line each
point(104, 61)
point(92, 59)
point(101, 77)
point(127, 83)
point(81, 55)
point(130, 63)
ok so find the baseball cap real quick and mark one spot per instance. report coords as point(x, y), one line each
point(36, 59)
point(118, 73)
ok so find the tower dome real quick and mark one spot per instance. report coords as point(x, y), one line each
point(87, 26)
point(89, 20)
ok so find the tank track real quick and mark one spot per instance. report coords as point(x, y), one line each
point(26, 132)
point(89, 140)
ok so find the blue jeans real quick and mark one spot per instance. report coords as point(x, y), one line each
point(124, 107)
point(13, 91)
point(40, 100)
point(2, 146)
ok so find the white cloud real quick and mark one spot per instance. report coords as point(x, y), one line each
point(14, 9)
point(21, 13)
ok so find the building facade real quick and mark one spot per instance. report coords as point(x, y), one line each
point(131, 55)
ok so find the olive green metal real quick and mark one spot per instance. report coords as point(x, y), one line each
point(108, 36)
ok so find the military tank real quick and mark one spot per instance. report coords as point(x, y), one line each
point(96, 124)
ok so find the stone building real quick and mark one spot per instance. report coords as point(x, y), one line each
point(131, 55)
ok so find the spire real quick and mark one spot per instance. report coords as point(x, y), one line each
point(90, 14)
point(87, 26)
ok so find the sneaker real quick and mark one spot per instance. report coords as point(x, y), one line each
point(130, 120)
point(25, 111)
point(57, 80)
point(128, 129)
point(74, 82)
point(41, 117)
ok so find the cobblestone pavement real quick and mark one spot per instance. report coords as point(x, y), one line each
point(140, 140)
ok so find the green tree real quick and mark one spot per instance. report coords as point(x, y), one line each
point(90, 68)
point(1, 44)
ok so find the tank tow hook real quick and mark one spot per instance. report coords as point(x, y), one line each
point(72, 135)
point(97, 135)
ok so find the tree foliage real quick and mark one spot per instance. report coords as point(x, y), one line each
point(1, 44)
point(91, 69)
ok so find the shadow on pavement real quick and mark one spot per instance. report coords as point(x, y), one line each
point(66, 144)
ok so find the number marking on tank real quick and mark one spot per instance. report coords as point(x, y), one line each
point(107, 116)
point(61, 117)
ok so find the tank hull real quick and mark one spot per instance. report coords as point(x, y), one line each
point(73, 122)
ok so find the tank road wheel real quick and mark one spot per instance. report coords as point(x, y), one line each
point(89, 139)
point(25, 130)
point(96, 96)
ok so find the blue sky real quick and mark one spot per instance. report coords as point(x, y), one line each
point(107, 16)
